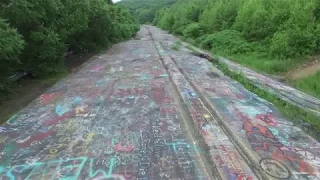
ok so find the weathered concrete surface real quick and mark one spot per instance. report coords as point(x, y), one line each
point(271, 143)
point(117, 118)
point(142, 111)
point(284, 91)
point(223, 153)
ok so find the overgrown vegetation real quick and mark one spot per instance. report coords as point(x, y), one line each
point(268, 35)
point(145, 10)
point(272, 36)
point(307, 120)
point(35, 35)
point(309, 84)
point(176, 46)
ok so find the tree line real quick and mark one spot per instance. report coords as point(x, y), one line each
point(35, 35)
point(281, 29)
point(145, 10)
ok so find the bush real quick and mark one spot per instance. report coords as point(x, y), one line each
point(293, 42)
point(193, 30)
point(227, 41)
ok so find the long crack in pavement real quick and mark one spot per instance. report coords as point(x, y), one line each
point(143, 111)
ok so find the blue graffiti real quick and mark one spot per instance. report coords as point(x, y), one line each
point(60, 110)
point(2, 169)
point(77, 100)
point(62, 169)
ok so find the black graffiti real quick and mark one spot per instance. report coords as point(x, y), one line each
point(274, 168)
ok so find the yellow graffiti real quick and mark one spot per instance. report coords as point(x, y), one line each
point(89, 137)
point(206, 116)
point(79, 110)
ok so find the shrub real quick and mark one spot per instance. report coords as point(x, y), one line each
point(193, 30)
point(227, 41)
point(293, 42)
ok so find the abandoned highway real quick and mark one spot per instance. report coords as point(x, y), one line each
point(141, 110)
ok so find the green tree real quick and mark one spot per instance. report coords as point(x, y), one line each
point(11, 45)
point(51, 28)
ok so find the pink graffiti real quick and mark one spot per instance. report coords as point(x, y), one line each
point(168, 110)
point(126, 148)
point(96, 68)
point(48, 98)
point(37, 137)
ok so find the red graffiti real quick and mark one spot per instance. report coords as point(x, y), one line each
point(244, 177)
point(284, 156)
point(259, 136)
point(37, 137)
point(250, 128)
point(158, 94)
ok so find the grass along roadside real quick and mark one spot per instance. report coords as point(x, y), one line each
point(261, 62)
point(176, 46)
point(309, 84)
point(308, 122)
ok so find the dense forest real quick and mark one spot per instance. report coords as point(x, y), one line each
point(145, 10)
point(35, 35)
point(269, 29)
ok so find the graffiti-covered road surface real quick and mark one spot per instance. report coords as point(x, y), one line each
point(273, 147)
point(141, 111)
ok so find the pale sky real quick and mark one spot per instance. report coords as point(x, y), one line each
point(115, 1)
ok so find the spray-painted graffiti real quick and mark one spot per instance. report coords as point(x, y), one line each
point(229, 163)
point(284, 150)
point(116, 118)
point(275, 168)
point(70, 168)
